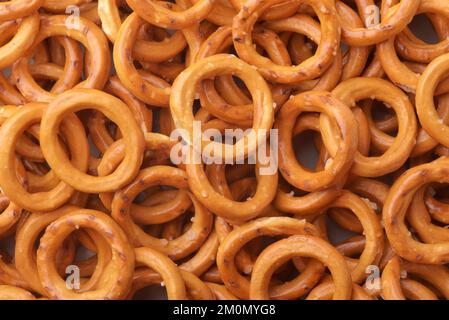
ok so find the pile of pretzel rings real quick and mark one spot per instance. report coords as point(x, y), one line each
point(94, 207)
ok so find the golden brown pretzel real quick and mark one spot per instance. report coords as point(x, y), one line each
point(303, 245)
point(313, 67)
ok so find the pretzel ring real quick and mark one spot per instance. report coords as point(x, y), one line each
point(195, 288)
point(234, 241)
point(309, 204)
point(26, 238)
point(372, 230)
point(25, 146)
point(158, 15)
point(299, 245)
point(97, 124)
point(68, 79)
point(9, 94)
point(412, 48)
point(395, 208)
point(177, 248)
point(220, 292)
point(14, 9)
point(9, 133)
point(78, 99)
point(148, 51)
point(21, 42)
point(303, 24)
point(353, 90)
point(393, 287)
point(9, 216)
point(311, 68)
point(209, 97)
point(148, 91)
point(116, 278)
point(425, 106)
point(402, 15)
point(339, 167)
point(170, 274)
point(113, 156)
point(357, 56)
point(436, 208)
point(204, 258)
point(227, 208)
point(424, 142)
point(182, 97)
point(91, 37)
point(59, 6)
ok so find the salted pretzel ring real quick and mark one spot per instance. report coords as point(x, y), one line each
point(25, 146)
point(9, 216)
point(396, 206)
point(241, 111)
point(425, 106)
point(234, 241)
point(177, 248)
point(14, 293)
point(357, 57)
point(78, 99)
point(59, 6)
point(146, 90)
point(98, 130)
point(326, 289)
point(27, 235)
point(182, 97)
point(299, 245)
point(340, 165)
point(90, 36)
point(109, 13)
point(372, 230)
point(117, 276)
point(435, 207)
point(10, 10)
point(113, 156)
point(306, 205)
point(21, 42)
point(356, 89)
point(167, 269)
point(148, 51)
point(373, 192)
point(163, 17)
point(228, 208)
point(381, 140)
point(313, 67)
point(11, 130)
point(421, 221)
